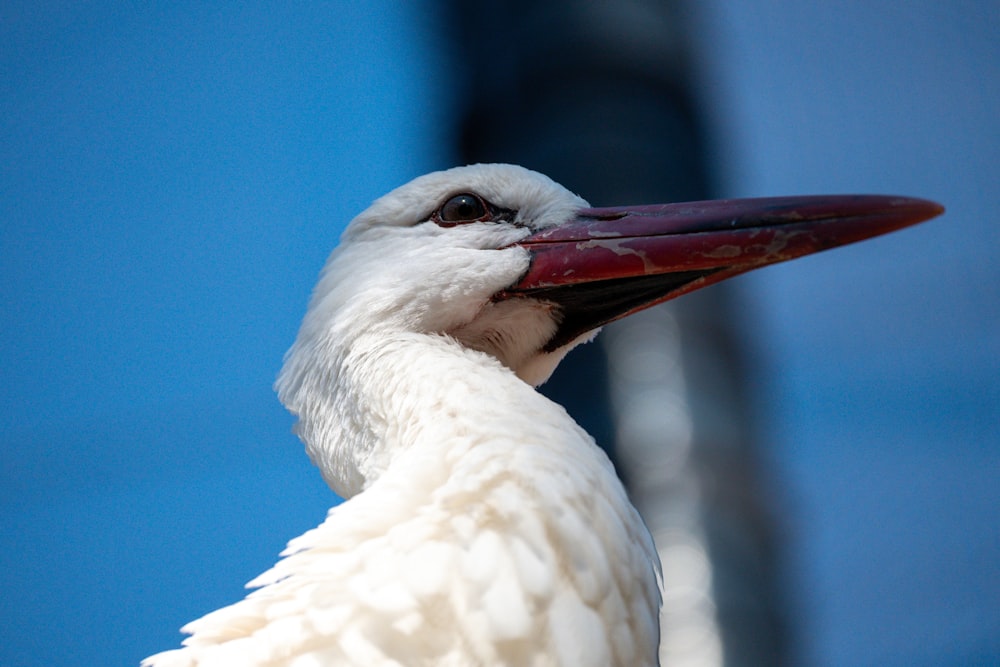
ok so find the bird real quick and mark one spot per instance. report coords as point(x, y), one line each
point(481, 524)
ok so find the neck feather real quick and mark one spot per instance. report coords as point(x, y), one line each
point(362, 408)
point(450, 443)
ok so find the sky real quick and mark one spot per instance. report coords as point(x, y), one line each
point(173, 177)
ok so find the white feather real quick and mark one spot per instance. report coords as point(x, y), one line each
point(484, 527)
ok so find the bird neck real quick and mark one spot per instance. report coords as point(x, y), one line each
point(447, 442)
point(398, 398)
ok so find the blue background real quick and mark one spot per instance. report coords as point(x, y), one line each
point(174, 175)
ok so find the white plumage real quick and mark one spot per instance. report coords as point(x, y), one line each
point(483, 526)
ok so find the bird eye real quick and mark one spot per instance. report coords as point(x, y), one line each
point(461, 209)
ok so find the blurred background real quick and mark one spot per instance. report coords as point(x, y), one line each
point(174, 176)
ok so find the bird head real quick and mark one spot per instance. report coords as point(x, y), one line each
point(511, 263)
point(505, 261)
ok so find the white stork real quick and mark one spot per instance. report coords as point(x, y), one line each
point(484, 526)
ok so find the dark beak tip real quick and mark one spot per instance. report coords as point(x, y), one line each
point(901, 212)
point(925, 209)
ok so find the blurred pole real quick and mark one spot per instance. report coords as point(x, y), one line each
point(595, 94)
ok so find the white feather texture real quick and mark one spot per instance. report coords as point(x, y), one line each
point(484, 527)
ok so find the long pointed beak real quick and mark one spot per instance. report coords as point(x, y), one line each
point(606, 263)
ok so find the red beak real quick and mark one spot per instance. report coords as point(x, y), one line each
point(607, 263)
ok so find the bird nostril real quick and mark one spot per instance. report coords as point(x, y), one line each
point(604, 215)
